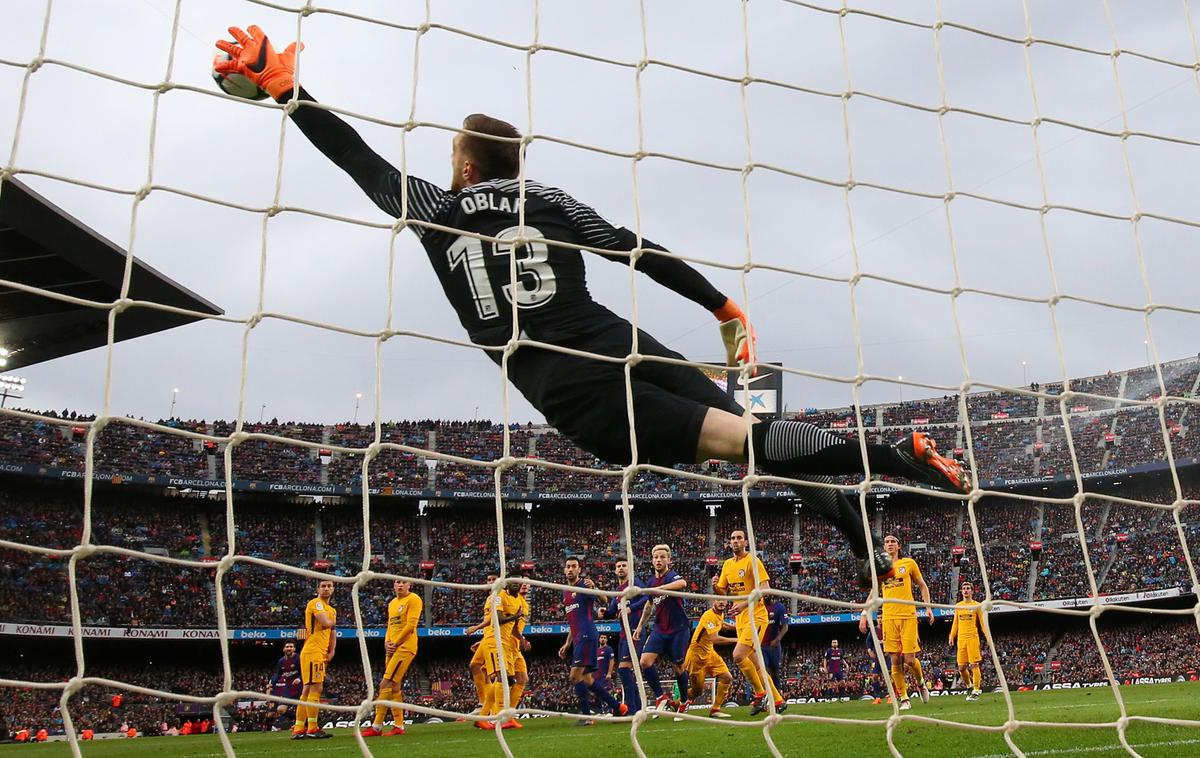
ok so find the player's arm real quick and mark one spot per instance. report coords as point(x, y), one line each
point(924, 588)
point(782, 624)
point(566, 646)
point(669, 271)
point(646, 614)
point(336, 139)
point(954, 628)
point(332, 644)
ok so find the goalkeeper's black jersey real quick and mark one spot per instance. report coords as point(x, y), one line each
point(549, 289)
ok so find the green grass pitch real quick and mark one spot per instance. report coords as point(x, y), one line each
point(560, 738)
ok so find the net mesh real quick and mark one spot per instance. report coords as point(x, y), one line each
point(949, 197)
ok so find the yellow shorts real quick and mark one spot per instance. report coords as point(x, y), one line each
point(703, 666)
point(900, 635)
point(968, 651)
point(480, 655)
point(312, 669)
point(745, 635)
point(519, 665)
point(491, 661)
point(397, 664)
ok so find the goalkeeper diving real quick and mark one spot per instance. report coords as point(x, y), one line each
point(490, 258)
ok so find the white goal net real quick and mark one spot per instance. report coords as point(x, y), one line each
point(911, 200)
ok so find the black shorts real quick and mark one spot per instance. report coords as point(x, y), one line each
point(584, 398)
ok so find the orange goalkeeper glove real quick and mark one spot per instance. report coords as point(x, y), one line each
point(738, 335)
point(255, 58)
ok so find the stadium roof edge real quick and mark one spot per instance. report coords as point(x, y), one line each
point(41, 245)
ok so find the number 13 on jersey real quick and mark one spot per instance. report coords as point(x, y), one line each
point(534, 283)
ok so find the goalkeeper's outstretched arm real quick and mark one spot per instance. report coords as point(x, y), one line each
point(254, 57)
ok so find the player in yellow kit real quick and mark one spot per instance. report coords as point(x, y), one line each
point(901, 640)
point(738, 576)
point(476, 666)
point(404, 615)
point(968, 630)
point(521, 669)
point(506, 607)
point(320, 640)
point(703, 660)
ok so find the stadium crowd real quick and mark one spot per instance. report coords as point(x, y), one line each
point(1013, 436)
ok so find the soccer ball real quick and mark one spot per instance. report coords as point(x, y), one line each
point(236, 84)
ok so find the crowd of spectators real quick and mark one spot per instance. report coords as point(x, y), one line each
point(1130, 547)
point(1013, 435)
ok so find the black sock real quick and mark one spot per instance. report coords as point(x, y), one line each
point(836, 508)
point(796, 448)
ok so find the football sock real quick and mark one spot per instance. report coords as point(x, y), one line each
point(605, 696)
point(518, 690)
point(489, 700)
point(481, 683)
point(774, 690)
point(722, 693)
point(802, 451)
point(650, 673)
point(498, 697)
point(977, 677)
point(796, 448)
point(750, 671)
point(629, 687)
point(919, 673)
point(581, 692)
point(682, 680)
point(898, 681)
point(313, 713)
point(385, 693)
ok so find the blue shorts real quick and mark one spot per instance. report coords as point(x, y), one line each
point(771, 656)
point(623, 650)
point(583, 654)
point(672, 646)
point(838, 675)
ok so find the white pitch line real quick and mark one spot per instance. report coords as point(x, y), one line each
point(1092, 749)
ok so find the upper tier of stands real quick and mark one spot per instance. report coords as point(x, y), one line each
point(1012, 436)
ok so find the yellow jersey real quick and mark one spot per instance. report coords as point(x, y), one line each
point(317, 642)
point(737, 575)
point(710, 623)
point(899, 586)
point(504, 604)
point(404, 613)
point(967, 621)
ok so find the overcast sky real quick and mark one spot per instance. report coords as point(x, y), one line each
point(98, 131)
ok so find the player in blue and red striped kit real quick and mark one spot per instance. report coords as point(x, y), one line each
point(633, 609)
point(286, 682)
point(582, 643)
point(672, 629)
point(834, 663)
point(772, 643)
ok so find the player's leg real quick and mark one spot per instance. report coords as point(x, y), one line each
point(520, 680)
point(648, 661)
point(893, 648)
point(478, 675)
point(397, 694)
point(724, 682)
point(911, 645)
point(629, 688)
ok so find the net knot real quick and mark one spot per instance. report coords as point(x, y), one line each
point(164, 87)
point(142, 193)
point(254, 320)
point(850, 184)
point(35, 64)
point(1036, 122)
point(634, 359)
point(949, 196)
point(307, 10)
point(273, 210)
point(84, 550)
point(943, 109)
point(121, 305)
point(1136, 217)
point(1116, 53)
point(423, 28)
point(1027, 42)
